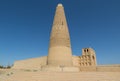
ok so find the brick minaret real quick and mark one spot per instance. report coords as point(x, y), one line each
point(60, 53)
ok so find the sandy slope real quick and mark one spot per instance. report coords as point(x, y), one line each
point(27, 75)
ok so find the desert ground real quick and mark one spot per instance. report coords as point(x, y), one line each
point(36, 75)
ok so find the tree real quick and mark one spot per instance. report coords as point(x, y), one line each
point(1, 66)
point(8, 67)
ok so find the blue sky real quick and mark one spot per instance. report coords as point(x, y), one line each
point(25, 27)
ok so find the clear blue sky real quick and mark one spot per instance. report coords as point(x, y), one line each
point(25, 27)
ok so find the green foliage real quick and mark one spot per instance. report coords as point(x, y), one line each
point(8, 67)
point(1, 67)
point(5, 67)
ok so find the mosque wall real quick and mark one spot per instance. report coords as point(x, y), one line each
point(33, 63)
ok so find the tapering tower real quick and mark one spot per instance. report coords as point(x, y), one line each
point(60, 53)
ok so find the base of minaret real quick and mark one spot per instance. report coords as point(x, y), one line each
point(49, 68)
point(57, 57)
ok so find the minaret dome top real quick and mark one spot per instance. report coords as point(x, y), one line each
point(59, 4)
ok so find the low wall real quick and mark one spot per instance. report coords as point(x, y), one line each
point(59, 69)
point(51, 68)
point(33, 63)
point(108, 68)
point(70, 69)
point(102, 68)
point(88, 68)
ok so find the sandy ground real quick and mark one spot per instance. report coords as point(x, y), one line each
point(35, 75)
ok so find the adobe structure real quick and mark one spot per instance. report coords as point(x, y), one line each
point(60, 52)
point(60, 56)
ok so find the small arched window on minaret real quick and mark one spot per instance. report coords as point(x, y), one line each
point(62, 22)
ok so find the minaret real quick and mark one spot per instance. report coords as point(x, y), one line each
point(60, 53)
